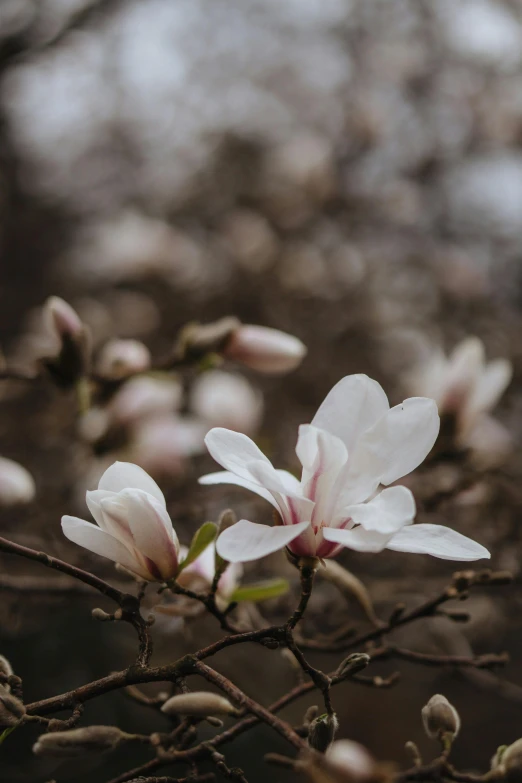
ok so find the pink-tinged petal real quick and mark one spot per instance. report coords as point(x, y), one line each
point(233, 451)
point(246, 541)
point(399, 442)
point(489, 441)
point(94, 539)
point(489, 389)
point(292, 484)
point(305, 545)
point(126, 475)
point(388, 512)
point(151, 528)
point(294, 507)
point(319, 451)
point(357, 538)
point(465, 366)
point(438, 541)
point(354, 405)
point(225, 477)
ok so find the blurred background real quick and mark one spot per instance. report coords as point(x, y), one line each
point(348, 171)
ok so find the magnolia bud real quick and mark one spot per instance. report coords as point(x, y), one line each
point(78, 742)
point(440, 717)
point(73, 350)
point(5, 668)
point(11, 709)
point(199, 704)
point(16, 483)
point(121, 358)
point(225, 400)
point(508, 760)
point(321, 731)
point(145, 396)
point(265, 349)
point(62, 319)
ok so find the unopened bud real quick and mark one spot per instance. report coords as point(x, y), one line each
point(198, 704)
point(440, 717)
point(11, 709)
point(198, 340)
point(79, 742)
point(5, 667)
point(16, 483)
point(354, 663)
point(73, 351)
point(508, 760)
point(62, 319)
point(121, 358)
point(265, 349)
point(321, 731)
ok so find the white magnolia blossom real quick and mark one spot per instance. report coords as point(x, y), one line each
point(354, 444)
point(133, 526)
point(16, 483)
point(467, 387)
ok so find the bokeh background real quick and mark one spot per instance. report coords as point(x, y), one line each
point(349, 171)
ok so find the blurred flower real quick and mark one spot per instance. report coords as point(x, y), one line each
point(162, 443)
point(198, 704)
point(225, 400)
point(467, 388)
point(121, 358)
point(134, 528)
point(61, 319)
point(201, 573)
point(337, 502)
point(345, 761)
point(145, 396)
point(265, 349)
point(16, 483)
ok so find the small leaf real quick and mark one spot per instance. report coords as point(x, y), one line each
point(260, 591)
point(202, 538)
point(6, 733)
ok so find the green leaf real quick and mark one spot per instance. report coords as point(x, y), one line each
point(6, 733)
point(260, 591)
point(202, 538)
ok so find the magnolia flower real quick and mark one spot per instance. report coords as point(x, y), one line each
point(145, 396)
point(354, 444)
point(16, 483)
point(264, 349)
point(61, 320)
point(225, 400)
point(467, 388)
point(134, 528)
point(161, 444)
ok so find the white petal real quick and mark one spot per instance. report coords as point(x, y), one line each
point(357, 538)
point(388, 512)
point(466, 363)
point(247, 541)
point(353, 406)
point(319, 451)
point(489, 389)
point(98, 541)
point(294, 507)
point(233, 451)
point(126, 475)
point(438, 541)
point(225, 477)
point(151, 528)
point(400, 440)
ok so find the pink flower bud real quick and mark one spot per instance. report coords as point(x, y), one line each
point(121, 358)
point(16, 483)
point(61, 318)
point(144, 396)
point(265, 349)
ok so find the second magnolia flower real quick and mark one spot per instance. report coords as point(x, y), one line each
point(354, 444)
point(134, 528)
